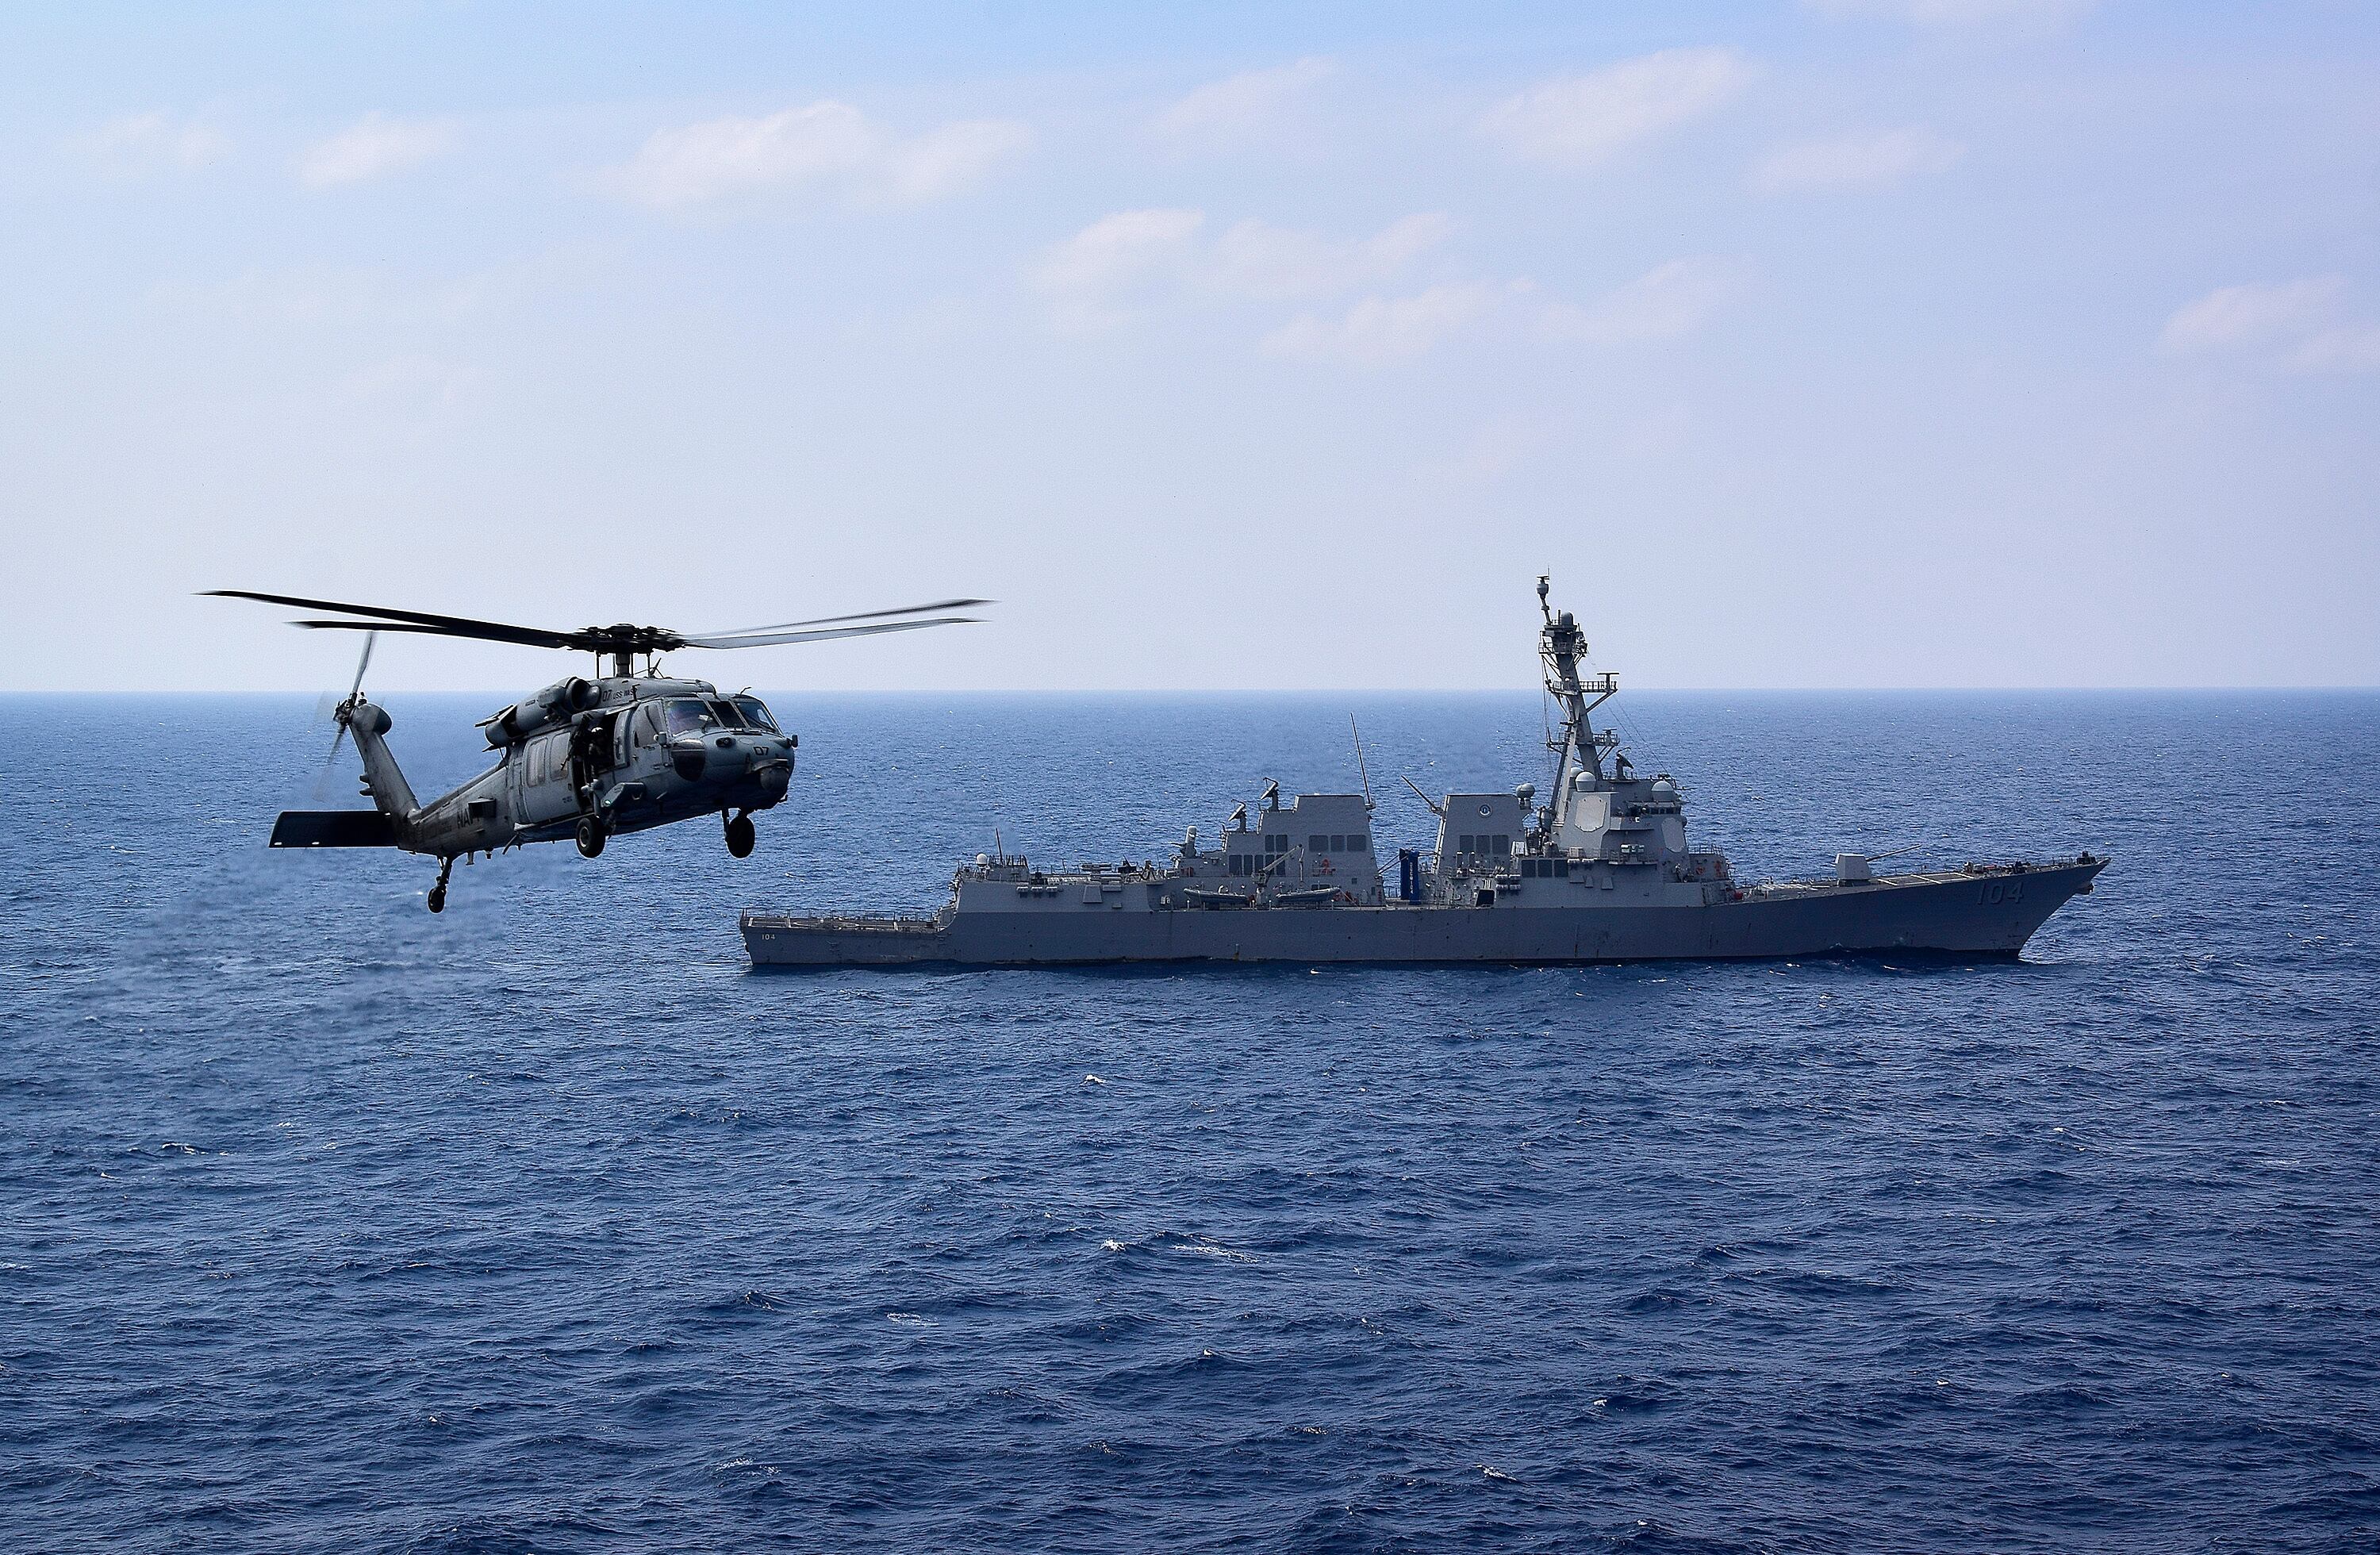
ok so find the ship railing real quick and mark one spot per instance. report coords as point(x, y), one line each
point(860, 922)
point(1972, 868)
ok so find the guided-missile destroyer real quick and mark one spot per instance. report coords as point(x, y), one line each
point(1601, 870)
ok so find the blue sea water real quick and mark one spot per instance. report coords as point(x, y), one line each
point(549, 1224)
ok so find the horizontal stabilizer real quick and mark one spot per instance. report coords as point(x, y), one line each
point(333, 829)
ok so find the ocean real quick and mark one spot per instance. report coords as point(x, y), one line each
point(548, 1224)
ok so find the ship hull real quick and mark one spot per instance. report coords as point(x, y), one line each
point(1990, 914)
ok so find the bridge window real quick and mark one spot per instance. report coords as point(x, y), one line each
point(1503, 848)
point(1317, 842)
point(1276, 845)
point(1358, 842)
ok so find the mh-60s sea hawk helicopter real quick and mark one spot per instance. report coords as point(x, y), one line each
point(584, 759)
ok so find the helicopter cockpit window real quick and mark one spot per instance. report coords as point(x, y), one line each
point(756, 714)
point(727, 715)
point(687, 718)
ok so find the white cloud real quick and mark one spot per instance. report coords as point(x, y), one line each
point(373, 147)
point(1118, 263)
point(1242, 107)
point(2235, 317)
point(2296, 323)
point(824, 142)
point(945, 161)
point(1092, 276)
point(2027, 14)
point(138, 142)
point(1667, 302)
point(1579, 121)
point(1262, 260)
point(1377, 330)
point(1856, 161)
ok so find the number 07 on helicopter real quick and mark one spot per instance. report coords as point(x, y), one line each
point(625, 751)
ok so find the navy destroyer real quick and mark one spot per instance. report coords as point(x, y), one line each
point(1600, 870)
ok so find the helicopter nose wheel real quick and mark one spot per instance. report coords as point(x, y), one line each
point(592, 835)
point(741, 835)
point(437, 892)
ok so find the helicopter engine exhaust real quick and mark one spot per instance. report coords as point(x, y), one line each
point(547, 708)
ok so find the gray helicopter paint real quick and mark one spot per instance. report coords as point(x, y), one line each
point(631, 776)
point(1601, 871)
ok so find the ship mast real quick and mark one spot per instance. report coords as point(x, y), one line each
point(1580, 749)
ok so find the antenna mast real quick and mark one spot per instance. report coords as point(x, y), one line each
point(1560, 644)
point(1361, 770)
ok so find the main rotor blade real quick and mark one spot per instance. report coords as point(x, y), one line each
point(765, 639)
point(528, 636)
point(861, 616)
point(453, 626)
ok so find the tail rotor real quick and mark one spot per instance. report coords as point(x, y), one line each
point(355, 694)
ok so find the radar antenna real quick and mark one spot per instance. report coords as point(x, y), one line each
point(1561, 645)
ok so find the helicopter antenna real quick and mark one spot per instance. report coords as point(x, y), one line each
point(1361, 770)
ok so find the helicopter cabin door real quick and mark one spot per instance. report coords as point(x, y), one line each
point(546, 794)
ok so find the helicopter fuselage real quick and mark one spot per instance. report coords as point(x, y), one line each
point(588, 759)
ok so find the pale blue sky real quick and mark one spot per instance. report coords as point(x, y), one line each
point(1848, 343)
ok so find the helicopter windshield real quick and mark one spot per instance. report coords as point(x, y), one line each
point(727, 715)
point(756, 713)
point(687, 718)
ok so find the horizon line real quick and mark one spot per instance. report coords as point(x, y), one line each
point(514, 694)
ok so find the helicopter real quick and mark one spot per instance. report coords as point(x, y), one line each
point(586, 759)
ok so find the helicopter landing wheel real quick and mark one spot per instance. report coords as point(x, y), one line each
point(591, 837)
point(437, 892)
point(741, 836)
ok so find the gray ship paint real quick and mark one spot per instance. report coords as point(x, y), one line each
point(1600, 871)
